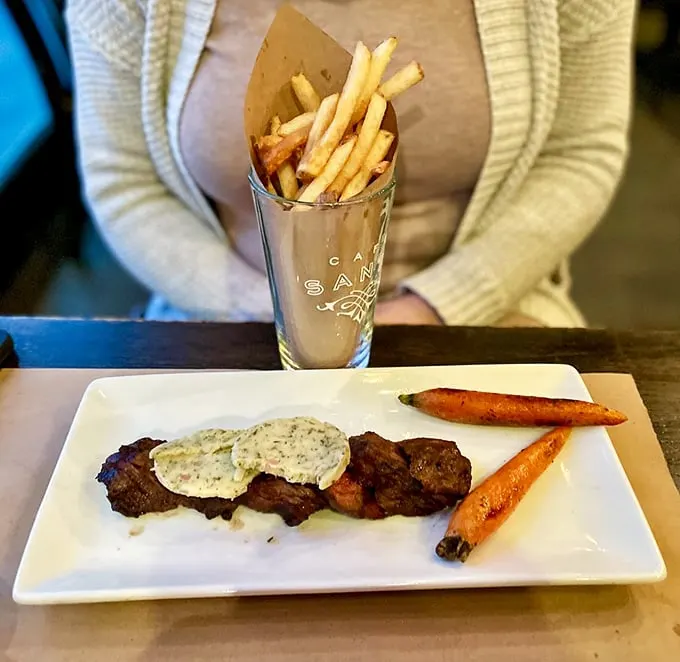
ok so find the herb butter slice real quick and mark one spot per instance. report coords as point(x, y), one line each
point(301, 450)
point(200, 465)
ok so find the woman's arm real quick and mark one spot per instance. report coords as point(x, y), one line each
point(565, 193)
point(158, 239)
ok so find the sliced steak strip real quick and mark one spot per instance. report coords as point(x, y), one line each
point(294, 503)
point(133, 489)
point(413, 477)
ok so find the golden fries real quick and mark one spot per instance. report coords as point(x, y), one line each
point(336, 146)
point(330, 172)
point(275, 157)
point(305, 93)
point(314, 161)
point(287, 181)
point(267, 142)
point(401, 81)
point(369, 131)
point(323, 118)
point(378, 152)
point(299, 122)
point(379, 60)
point(303, 188)
point(275, 125)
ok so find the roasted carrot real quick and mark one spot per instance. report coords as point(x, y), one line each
point(481, 408)
point(484, 509)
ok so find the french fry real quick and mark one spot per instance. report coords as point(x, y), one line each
point(285, 173)
point(275, 157)
point(303, 188)
point(405, 78)
point(380, 58)
point(369, 131)
point(491, 503)
point(322, 120)
point(275, 125)
point(262, 146)
point(330, 172)
point(287, 181)
point(299, 122)
point(296, 156)
point(314, 161)
point(265, 143)
point(482, 408)
point(378, 151)
point(305, 93)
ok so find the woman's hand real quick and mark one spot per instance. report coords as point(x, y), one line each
point(406, 309)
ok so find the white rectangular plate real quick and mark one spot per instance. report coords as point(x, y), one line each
point(580, 523)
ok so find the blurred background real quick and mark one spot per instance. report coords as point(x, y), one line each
point(52, 262)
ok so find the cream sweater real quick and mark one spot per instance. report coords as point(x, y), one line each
point(554, 161)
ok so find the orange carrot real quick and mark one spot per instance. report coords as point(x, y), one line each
point(484, 509)
point(481, 408)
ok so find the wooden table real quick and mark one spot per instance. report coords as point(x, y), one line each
point(653, 358)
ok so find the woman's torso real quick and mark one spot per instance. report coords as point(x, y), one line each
point(444, 122)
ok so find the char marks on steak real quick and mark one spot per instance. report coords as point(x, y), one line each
point(411, 478)
point(133, 489)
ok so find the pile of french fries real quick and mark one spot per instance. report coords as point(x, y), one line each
point(336, 146)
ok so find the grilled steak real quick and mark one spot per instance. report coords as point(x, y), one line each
point(438, 466)
point(293, 503)
point(412, 477)
point(392, 474)
point(349, 497)
point(133, 489)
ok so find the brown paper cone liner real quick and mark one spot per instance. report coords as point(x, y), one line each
point(292, 45)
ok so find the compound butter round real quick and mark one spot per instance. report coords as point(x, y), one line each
point(300, 449)
point(200, 465)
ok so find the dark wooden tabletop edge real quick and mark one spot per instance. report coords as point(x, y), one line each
point(31, 319)
point(651, 357)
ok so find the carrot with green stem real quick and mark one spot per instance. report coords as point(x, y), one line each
point(491, 503)
point(482, 408)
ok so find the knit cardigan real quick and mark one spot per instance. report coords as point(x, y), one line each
point(559, 77)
